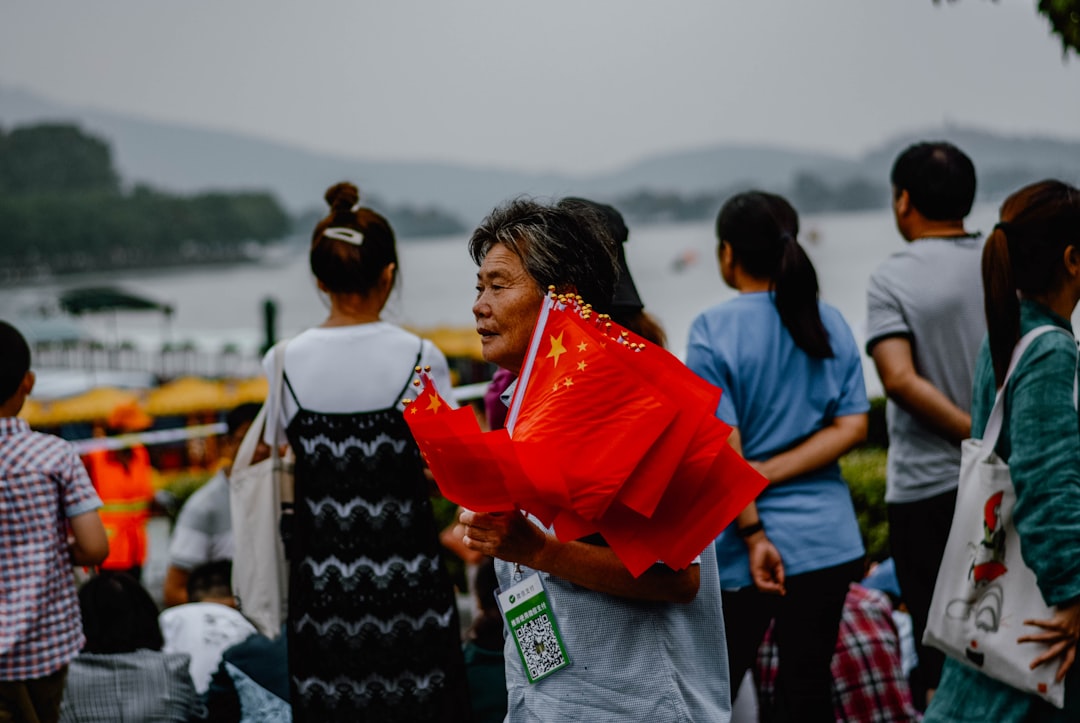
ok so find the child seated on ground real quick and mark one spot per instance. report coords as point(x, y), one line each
point(123, 653)
point(206, 626)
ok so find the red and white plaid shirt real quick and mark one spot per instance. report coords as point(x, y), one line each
point(868, 680)
point(42, 484)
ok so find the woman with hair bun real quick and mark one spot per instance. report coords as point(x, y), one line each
point(793, 391)
point(1031, 278)
point(372, 626)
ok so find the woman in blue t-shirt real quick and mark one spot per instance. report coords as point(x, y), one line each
point(793, 390)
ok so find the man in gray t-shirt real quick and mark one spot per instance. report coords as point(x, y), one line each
point(203, 530)
point(925, 323)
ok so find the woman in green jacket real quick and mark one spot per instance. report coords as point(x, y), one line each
point(1031, 278)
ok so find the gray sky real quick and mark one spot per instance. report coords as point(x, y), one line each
point(568, 85)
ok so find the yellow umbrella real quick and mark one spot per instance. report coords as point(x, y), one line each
point(454, 341)
point(242, 391)
point(187, 395)
point(95, 405)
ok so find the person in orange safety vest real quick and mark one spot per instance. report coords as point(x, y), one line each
point(123, 481)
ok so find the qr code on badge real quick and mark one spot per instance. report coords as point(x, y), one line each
point(540, 646)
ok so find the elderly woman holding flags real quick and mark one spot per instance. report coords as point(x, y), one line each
point(649, 647)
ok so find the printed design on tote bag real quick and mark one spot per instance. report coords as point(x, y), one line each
point(985, 598)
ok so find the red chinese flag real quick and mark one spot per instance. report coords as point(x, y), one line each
point(543, 489)
point(712, 485)
point(689, 395)
point(728, 487)
point(689, 485)
point(469, 468)
point(575, 400)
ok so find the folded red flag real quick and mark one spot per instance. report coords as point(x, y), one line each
point(689, 485)
point(469, 467)
point(688, 518)
point(484, 472)
point(705, 494)
point(575, 397)
point(693, 398)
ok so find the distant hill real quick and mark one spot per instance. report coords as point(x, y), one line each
point(180, 158)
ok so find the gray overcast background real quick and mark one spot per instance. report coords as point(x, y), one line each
point(567, 85)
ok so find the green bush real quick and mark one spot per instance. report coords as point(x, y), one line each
point(180, 485)
point(864, 470)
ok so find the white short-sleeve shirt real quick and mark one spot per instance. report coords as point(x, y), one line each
point(357, 368)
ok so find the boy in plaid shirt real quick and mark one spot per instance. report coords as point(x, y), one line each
point(48, 521)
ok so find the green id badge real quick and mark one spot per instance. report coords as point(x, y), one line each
point(533, 627)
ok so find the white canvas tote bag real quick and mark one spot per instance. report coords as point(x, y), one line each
point(260, 573)
point(984, 591)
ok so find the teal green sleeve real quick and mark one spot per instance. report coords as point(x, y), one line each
point(1044, 460)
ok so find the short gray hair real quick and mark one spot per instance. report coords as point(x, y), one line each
point(564, 245)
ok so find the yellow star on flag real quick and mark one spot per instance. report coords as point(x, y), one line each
point(434, 404)
point(557, 348)
point(568, 383)
point(582, 347)
point(581, 366)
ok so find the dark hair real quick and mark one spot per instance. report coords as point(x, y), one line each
point(344, 267)
point(939, 179)
point(608, 215)
point(14, 360)
point(1024, 253)
point(626, 307)
point(762, 229)
point(564, 245)
point(240, 415)
point(118, 615)
point(211, 579)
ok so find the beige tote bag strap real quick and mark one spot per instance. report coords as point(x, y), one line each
point(282, 466)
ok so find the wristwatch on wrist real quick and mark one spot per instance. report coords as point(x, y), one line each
point(751, 529)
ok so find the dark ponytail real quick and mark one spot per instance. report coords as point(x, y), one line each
point(1001, 305)
point(762, 229)
point(1024, 254)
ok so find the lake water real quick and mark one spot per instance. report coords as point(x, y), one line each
point(673, 265)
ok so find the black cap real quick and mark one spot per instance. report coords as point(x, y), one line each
point(626, 299)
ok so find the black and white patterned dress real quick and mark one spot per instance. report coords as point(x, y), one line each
point(373, 627)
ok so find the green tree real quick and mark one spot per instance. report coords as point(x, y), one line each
point(55, 158)
point(61, 210)
point(1064, 17)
